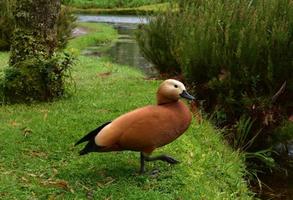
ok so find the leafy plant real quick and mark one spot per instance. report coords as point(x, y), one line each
point(65, 25)
point(243, 137)
point(6, 23)
point(66, 22)
point(38, 67)
point(155, 41)
point(41, 78)
point(238, 54)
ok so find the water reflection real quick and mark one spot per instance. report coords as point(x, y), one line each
point(125, 51)
point(114, 19)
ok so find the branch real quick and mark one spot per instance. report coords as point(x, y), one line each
point(280, 91)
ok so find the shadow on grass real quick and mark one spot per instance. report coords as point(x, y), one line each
point(107, 168)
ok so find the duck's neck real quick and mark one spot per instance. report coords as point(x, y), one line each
point(165, 100)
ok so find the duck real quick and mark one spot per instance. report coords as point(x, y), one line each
point(145, 129)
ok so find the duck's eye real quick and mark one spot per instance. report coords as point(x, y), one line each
point(176, 86)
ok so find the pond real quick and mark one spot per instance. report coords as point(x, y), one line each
point(125, 50)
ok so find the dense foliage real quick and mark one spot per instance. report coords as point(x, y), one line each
point(65, 24)
point(6, 23)
point(109, 3)
point(239, 56)
point(38, 67)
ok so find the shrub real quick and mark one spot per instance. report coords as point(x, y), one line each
point(6, 23)
point(42, 78)
point(155, 41)
point(38, 67)
point(66, 23)
point(238, 54)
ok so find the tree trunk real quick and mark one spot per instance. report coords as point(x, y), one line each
point(34, 72)
point(36, 29)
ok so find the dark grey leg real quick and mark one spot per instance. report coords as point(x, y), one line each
point(142, 168)
point(144, 157)
point(164, 158)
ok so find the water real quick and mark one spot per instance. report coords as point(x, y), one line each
point(114, 19)
point(125, 50)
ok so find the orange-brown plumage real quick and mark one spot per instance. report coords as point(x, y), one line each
point(147, 128)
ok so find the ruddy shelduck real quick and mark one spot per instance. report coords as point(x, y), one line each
point(147, 128)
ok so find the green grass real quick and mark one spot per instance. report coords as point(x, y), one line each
point(111, 3)
point(97, 34)
point(140, 10)
point(3, 59)
point(38, 159)
point(128, 7)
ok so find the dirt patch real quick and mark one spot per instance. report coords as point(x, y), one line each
point(78, 31)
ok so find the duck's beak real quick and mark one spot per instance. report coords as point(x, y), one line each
point(185, 95)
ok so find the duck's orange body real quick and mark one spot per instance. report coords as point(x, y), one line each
point(146, 128)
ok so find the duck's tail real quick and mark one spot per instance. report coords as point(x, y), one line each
point(90, 137)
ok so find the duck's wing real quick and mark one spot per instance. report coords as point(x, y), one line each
point(91, 135)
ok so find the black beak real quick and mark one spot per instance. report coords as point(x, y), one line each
point(185, 95)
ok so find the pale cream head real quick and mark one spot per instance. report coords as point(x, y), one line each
point(170, 91)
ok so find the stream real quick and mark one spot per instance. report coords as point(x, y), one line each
point(125, 50)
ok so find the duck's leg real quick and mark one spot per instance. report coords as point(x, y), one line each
point(142, 159)
point(164, 158)
point(146, 157)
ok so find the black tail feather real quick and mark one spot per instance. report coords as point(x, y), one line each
point(91, 135)
point(90, 147)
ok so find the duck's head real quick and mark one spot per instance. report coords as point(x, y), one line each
point(171, 90)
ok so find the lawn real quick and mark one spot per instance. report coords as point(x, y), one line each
point(140, 10)
point(112, 3)
point(39, 161)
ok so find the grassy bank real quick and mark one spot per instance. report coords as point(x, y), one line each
point(38, 159)
point(140, 10)
point(111, 3)
point(96, 34)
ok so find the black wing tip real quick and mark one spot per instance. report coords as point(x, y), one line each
point(90, 147)
point(83, 152)
point(80, 141)
point(91, 134)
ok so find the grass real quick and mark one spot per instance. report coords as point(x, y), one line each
point(111, 3)
point(38, 159)
point(3, 59)
point(140, 10)
point(97, 34)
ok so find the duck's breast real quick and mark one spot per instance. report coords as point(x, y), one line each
point(147, 127)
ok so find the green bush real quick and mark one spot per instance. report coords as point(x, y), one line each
point(155, 41)
point(239, 54)
point(42, 78)
point(6, 23)
point(38, 67)
point(66, 23)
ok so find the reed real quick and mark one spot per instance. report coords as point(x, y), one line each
point(238, 54)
